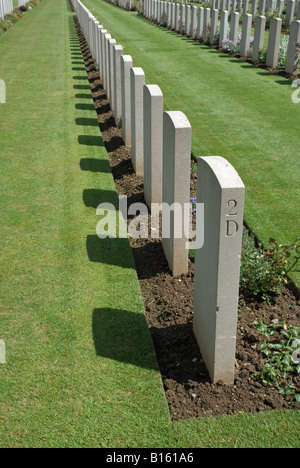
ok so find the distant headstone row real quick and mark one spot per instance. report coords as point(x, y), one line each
point(257, 6)
point(161, 152)
point(203, 24)
point(6, 6)
point(125, 4)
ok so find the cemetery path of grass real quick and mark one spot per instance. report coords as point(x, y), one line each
point(236, 111)
point(81, 370)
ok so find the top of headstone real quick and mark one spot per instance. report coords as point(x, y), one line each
point(225, 173)
point(154, 90)
point(179, 119)
point(138, 71)
point(126, 58)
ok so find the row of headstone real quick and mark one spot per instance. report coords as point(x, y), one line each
point(256, 7)
point(203, 23)
point(6, 6)
point(161, 152)
point(125, 4)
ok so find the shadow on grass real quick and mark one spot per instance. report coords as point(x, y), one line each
point(87, 122)
point(93, 197)
point(285, 82)
point(109, 251)
point(81, 87)
point(87, 107)
point(95, 165)
point(123, 336)
point(83, 96)
point(90, 140)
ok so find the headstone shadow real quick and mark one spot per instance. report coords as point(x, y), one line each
point(123, 336)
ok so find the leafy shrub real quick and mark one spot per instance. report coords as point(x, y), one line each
point(17, 13)
point(278, 350)
point(194, 168)
point(265, 272)
point(5, 25)
point(283, 52)
point(262, 55)
point(12, 17)
point(231, 46)
point(283, 17)
point(205, 5)
point(269, 16)
point(234, 47)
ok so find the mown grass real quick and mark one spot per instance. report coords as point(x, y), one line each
point(236, 111)
point(81, 370)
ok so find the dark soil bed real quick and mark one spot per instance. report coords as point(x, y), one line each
point(169, 306)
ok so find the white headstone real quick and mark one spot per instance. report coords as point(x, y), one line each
point(137, 119)
point(126, 65)
point(259, 37)
point(292, 61)
point(217, 266)
point(274, 42)
point(153, 144)
point(176, 190)
point(117, 53)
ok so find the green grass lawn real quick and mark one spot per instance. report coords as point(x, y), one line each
point(81, 370)
point(236, 111)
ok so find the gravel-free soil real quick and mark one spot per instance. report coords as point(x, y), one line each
point(169, 305)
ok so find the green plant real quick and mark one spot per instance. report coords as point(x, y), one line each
point(283, 17)
point(17, 12)
point(12, 18)
point(283, 52)
point(262, 55)
point(5, 25)
point(194, 168)
point(265, 272)
point(278, 350)
point(205, 5)
point(269, 16)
